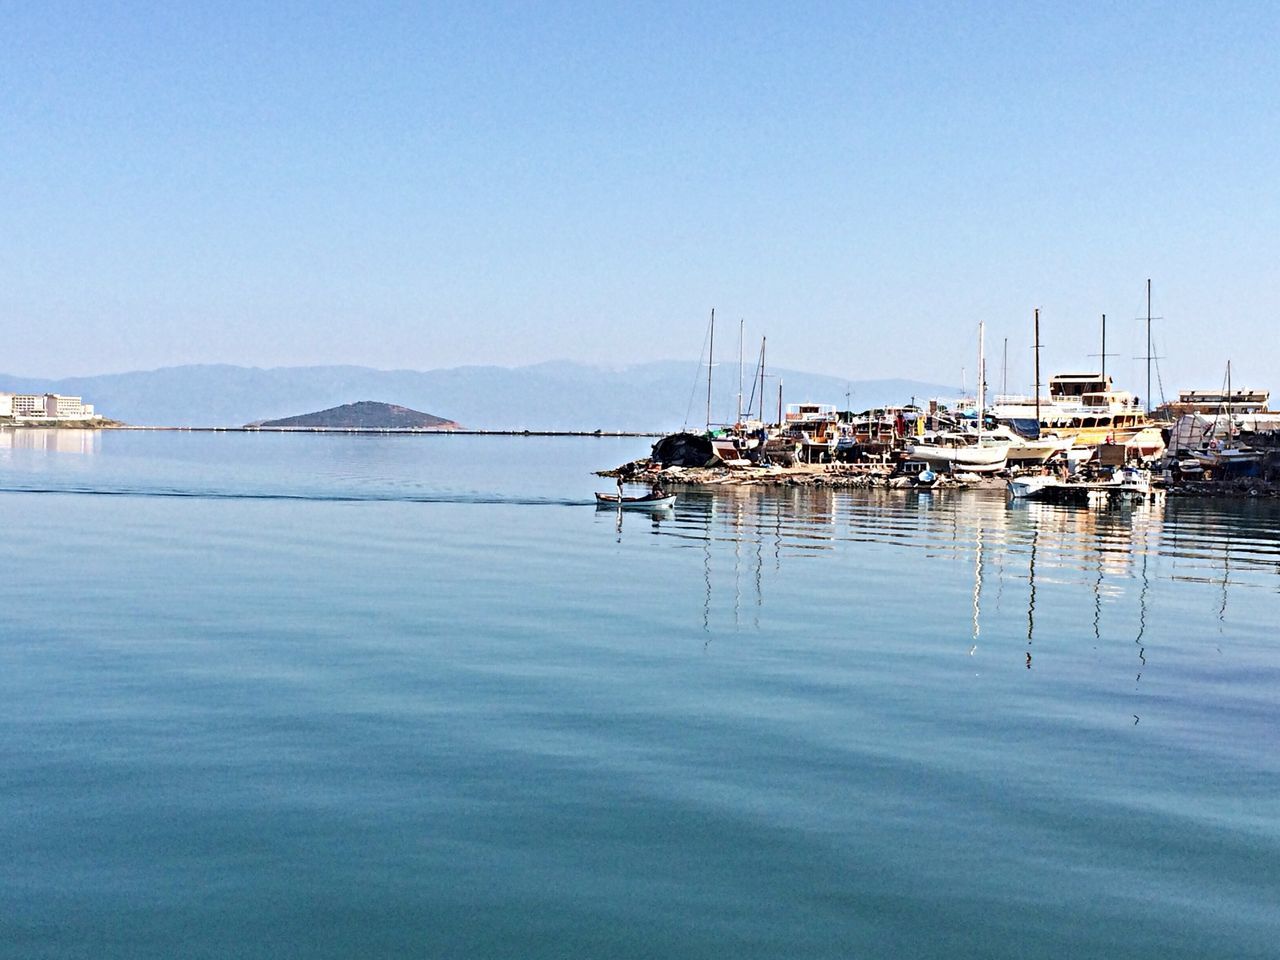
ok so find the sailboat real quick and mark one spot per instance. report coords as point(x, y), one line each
point(961, 451)
point(1226, 457)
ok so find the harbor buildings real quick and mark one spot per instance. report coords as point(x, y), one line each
point(40, 407)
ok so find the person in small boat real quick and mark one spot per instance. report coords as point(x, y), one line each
point(656, 491)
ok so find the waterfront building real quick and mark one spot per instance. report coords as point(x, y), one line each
point(44, 406)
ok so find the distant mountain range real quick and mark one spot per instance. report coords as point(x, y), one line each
point(557, 395)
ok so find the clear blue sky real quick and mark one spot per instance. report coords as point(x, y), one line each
point(429, 185)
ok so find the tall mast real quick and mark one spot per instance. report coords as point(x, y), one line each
point(1231, 417)
point(763, 342)
point(1104, 347)
point(1004, 369)
point(779, 401)
point(711, 352)
point(1037, 349)
point(982, 374)
point(1148, 344)
point(740, 323)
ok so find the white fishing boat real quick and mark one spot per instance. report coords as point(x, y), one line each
point(1125, 484)
point(1028, 487)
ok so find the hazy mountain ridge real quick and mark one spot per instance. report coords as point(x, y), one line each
point(557, 395)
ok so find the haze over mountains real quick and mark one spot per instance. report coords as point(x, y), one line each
point(556, 395)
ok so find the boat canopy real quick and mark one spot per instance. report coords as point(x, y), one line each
point(1027, 427)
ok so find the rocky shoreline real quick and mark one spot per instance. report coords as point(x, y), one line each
point(1245, 488)
point(837, 476)
point(833, 476)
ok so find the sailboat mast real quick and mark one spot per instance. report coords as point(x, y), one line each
point(1037, 349)
point(1104, 347)
point(1231, 418)
point(740, 323)
point(982, 374)
point(1004, 368)
point(711, 352)
point(1148, 344)
point(763, 342)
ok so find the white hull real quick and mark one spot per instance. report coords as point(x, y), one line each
point(1021, 488)
point(1037, 451)
point(976, 458)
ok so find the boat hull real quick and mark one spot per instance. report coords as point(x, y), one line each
point(635, 503)
point(974, 459)
point(1028, 488)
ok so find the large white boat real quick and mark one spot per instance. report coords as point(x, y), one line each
point(1026, 450)
point(1086, 408)
point(957, 451)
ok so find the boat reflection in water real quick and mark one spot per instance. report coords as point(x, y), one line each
point(1055, 588)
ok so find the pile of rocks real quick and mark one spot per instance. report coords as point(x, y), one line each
point(1243, 487)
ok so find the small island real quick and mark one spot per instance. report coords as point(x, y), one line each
point(364, 415)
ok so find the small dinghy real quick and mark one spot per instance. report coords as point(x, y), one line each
point(650, 501)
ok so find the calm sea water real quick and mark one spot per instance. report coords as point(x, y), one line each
point(309, 696)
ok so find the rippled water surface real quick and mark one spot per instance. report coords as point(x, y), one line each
point(311, 696)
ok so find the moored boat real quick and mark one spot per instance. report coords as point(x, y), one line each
point(1086, 408)
point(1028, 487)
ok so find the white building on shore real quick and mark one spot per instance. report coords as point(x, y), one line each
point(36, 407)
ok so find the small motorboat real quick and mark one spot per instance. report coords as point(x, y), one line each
point(1031, 487)
point(650, 501)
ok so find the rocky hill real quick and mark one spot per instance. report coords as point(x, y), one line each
point(364, 415)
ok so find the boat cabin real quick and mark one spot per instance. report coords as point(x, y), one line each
point(810, 412)
point(816, 426)
point(1075, 386)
